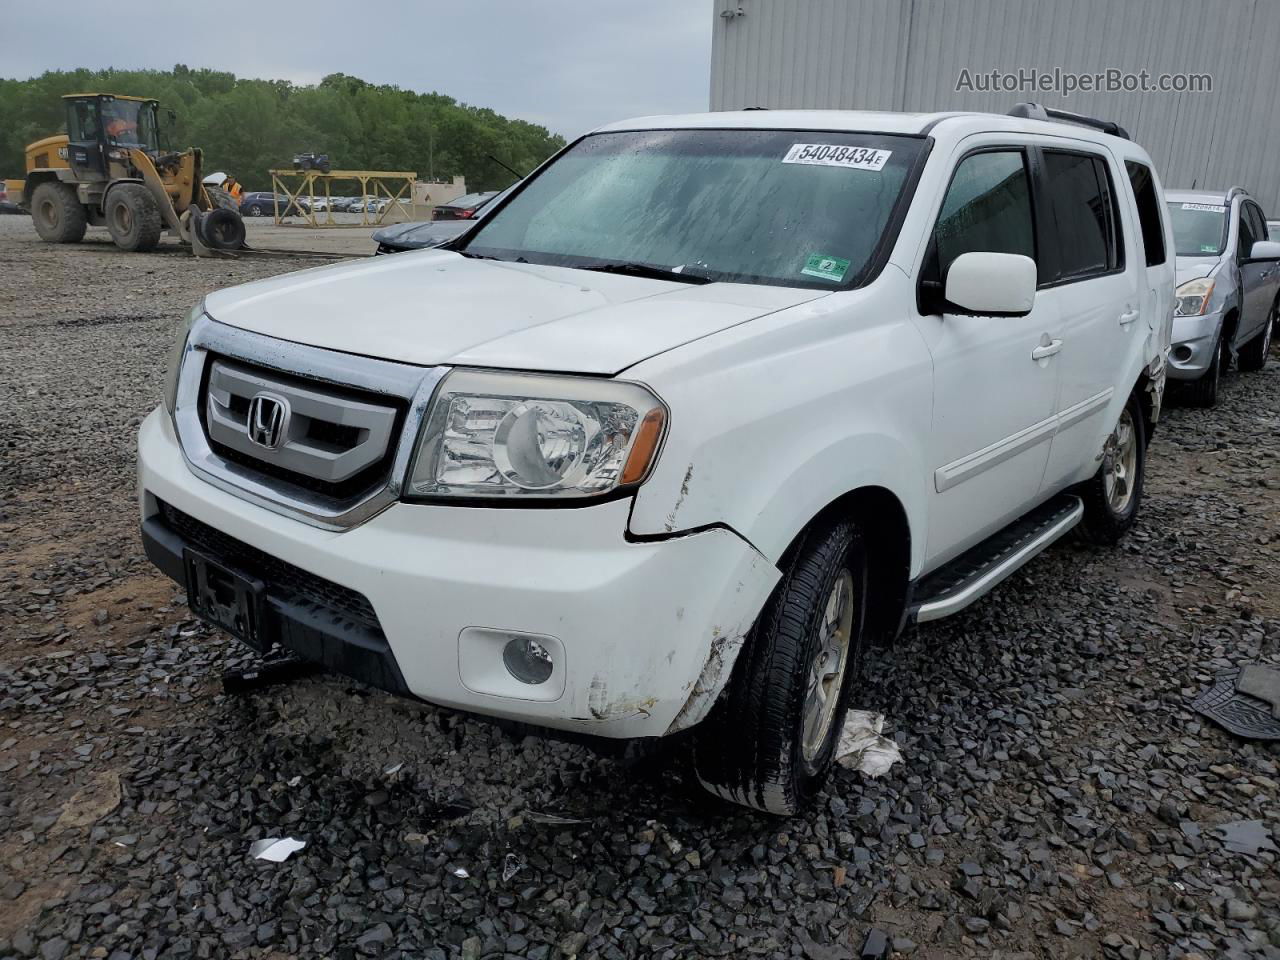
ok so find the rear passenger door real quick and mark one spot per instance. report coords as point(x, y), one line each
point(1098, 297)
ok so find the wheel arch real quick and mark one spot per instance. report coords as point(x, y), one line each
point(882, 518)
point(35, 179)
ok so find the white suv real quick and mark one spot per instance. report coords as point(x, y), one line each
point(702, 407)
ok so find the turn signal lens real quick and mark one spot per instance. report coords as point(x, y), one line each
point(645, 446)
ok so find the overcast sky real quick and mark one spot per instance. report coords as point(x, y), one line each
point(567, 64)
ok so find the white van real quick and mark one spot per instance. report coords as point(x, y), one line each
point(700, 409)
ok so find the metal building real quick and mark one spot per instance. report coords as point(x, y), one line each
point(912, 55)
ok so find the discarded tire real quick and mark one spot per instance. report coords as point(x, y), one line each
point(221, 229)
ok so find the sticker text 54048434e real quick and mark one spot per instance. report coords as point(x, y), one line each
point(836, 155)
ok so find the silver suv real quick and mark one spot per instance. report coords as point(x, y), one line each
point(1228, 287)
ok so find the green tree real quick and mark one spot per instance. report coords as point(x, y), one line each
point(248, 126)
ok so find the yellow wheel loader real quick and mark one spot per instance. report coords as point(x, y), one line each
point(109, 170)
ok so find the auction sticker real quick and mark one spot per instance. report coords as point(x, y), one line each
point(836, 155)
point(825, 268)
point(1204, 207)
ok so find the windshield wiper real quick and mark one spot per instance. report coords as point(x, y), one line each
point(645, 270)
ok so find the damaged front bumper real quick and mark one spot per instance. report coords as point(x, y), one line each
point(643, 635)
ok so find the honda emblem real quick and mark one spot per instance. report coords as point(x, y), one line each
point(268, 420)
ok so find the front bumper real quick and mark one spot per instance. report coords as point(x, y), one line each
point(1192, 345)
point(644, 632)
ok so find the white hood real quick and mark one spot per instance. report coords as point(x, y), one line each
point(437, 307)
point(1192, 268)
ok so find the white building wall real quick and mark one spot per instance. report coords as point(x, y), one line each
point(909, 54)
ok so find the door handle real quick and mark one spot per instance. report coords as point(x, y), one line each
point(1046, 350)
point(1128, 317)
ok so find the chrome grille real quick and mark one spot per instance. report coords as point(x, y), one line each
point(341, 454)
point(319, 434)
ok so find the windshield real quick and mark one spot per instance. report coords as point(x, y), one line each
point(1199, 229)
point(130, 123)
point(791, 208)
point(470, 200)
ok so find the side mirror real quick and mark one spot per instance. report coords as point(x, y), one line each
point(992, 284)
point(1265, 250)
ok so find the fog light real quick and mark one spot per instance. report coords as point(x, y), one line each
point(527, 660)
point(1182, 353)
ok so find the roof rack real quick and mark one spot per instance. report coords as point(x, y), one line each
point(1036, 111)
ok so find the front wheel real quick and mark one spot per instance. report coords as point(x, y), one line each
point(770, 740)
point(1112, 496)
point(133, 219)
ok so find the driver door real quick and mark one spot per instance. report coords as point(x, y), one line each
point(84, 149)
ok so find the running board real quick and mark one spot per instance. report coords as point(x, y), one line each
point(977, 571)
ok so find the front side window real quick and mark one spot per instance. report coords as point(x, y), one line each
point(1199, 228)
point(1084, 229)
point(987, 209)
point(83, 121)
point(781, 207)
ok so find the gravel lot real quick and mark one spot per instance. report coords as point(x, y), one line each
point(1058, 797)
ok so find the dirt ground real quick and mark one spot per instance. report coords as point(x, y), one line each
point(1058, 797)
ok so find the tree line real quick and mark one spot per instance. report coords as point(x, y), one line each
point(247, 127)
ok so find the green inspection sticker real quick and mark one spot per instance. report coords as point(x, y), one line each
point(1208, 248)
point(826, 268)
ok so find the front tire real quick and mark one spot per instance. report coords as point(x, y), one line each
point(58, 214)
point(1253, 355)
point(133, 219)
point(1113, 495)
point(770, 740)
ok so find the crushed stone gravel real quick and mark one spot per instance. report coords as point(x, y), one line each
point(1058, 797)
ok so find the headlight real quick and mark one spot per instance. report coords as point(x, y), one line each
point(509, 435)
point(176, 353)
point(1192, 298)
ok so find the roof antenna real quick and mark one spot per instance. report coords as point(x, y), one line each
point(1194, 181)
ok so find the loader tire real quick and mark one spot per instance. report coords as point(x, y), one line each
point(133, 219)
point(58, 214)
point(221, 229)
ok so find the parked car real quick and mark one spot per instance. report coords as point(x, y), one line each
point(8, 205)
point(1273, 229)
point(1228, 287)
point(266, 204)
point(462, 208)
point(610, 468)
point(421, 234)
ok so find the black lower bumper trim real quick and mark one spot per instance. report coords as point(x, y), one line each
point(338, 639)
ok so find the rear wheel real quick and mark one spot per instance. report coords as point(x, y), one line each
point(1253, 355)
point(1112, 497)
point(58, 214)
point(1204, 391)
point(133, 219)
point(252, 210)
point(770, 741)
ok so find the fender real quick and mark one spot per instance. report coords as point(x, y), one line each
point(773, 420)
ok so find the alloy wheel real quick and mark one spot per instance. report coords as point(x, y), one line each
point(826, 671)
point(1120, 464)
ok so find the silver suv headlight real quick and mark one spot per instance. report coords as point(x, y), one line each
point(176, 353)
point(1192, 298)
point(512, 435)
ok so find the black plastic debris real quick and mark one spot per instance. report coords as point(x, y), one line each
point(1249, 837)
point(875, 946)
point(1245, 701)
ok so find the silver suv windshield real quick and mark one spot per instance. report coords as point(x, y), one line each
point(1199, 229)
point(782, 207)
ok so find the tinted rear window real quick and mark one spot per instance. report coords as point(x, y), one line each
point(1083, 211)
point(1144, 193)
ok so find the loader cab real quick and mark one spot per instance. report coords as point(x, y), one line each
point(102, 128)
